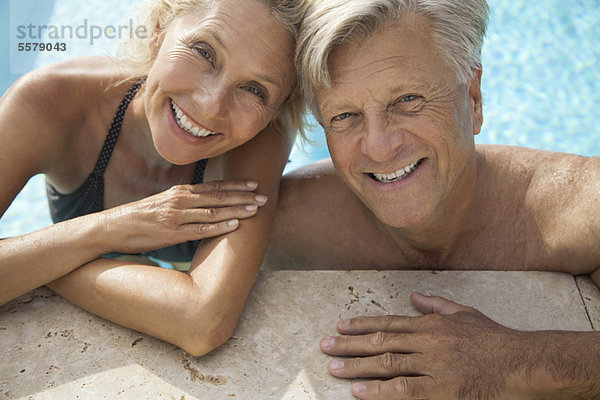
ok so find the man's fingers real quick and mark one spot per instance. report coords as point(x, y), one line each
point(435, 304)
point(396, 323)
point(386, 365)
point(370, 344)
point(386, 323)
point(409, 388)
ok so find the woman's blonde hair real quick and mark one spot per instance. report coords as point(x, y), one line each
point(459, 27)
point(159, 14)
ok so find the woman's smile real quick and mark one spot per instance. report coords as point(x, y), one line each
point(187, 123)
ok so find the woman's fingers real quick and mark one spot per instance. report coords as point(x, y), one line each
point(215, 195)
point(204, 231)
point(217, 214)
point(229, 185)
point(183, 213)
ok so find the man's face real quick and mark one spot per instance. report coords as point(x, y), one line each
point(399, 126)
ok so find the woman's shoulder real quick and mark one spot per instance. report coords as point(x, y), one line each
point(51, 104)
point(72, 82)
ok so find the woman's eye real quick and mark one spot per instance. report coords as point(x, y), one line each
point(258, 91)
point(255, 91)
point(204, 52)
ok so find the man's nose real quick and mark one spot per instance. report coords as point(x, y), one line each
point(380, 139)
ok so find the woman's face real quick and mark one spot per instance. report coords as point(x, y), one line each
point(220, 73)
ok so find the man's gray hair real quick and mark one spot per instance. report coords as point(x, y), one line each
point(459, 27)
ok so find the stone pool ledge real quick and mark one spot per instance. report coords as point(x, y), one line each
point(51, 349)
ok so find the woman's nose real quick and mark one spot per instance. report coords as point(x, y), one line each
point(213, 101)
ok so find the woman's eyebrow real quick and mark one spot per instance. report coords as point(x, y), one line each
point(269, 79)
point(214, 34)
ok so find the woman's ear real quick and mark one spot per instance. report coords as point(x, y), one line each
point(476, 101)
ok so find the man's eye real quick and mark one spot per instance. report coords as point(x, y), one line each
point(410, 97)
point(341, 117)
point(407, 103)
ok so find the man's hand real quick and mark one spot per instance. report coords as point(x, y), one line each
point(454, 352)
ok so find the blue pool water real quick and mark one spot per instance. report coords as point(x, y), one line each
point(541, 82)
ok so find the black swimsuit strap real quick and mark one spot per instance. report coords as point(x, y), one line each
point(199, 171)
point(113, 135)
point(115, 129)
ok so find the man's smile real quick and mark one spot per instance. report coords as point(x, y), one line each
point(396, 175)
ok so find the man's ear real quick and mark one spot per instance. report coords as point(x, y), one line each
point(156, 38)
point(476, 101)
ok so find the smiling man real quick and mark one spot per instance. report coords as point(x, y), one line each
point(397, 87)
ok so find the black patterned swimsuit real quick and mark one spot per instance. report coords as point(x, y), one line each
point(89, 197)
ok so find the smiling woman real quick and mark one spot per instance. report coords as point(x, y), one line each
point(202, 124)
point(225, 87)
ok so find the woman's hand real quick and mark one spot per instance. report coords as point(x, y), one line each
point(179, 214)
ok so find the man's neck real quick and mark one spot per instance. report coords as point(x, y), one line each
point(435, 240)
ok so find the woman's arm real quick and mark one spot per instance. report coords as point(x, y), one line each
point(197, 312)
point(33, 136)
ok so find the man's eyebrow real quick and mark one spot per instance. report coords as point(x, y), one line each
point(339, 105)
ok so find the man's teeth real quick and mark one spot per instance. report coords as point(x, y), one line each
point(187, 125)
point(397, 175)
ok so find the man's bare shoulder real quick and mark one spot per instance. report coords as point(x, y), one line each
point(561, 194)
point(322, 224)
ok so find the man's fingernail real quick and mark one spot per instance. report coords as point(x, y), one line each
point(233, 222)
point(359, 387)
point(345, 323)
point(328, 341)
point(336, 364)
point(252, 185)
point(251, 207)
point(260, 198)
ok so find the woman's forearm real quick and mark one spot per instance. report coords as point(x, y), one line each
point(32, 260)
point(197, 312)
point(182, 213)
point(163, 303)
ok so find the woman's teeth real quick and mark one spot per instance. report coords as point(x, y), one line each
point(397, 175)
point(187, 125)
